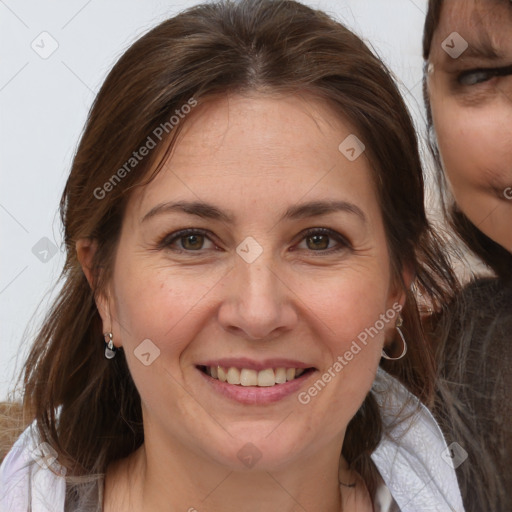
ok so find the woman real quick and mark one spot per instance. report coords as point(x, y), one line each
point(468, 53)
point(244, 220)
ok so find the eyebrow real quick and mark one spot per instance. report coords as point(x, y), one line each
point(481, 48)
point(198, 208)
point(301, 211)
point(480, 44)
point(317, 208)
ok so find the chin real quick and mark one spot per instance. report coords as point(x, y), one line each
point(259, 448)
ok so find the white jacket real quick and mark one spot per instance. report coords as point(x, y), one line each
point(412, 459)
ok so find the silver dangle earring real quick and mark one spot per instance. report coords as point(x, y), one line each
point(399, 323)
point(110, 350)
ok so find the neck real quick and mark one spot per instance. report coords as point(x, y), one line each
point(148, 480)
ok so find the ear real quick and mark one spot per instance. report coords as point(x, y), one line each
point(398, 297)
point(400, 285)
point(85, 251)
point(408, 276)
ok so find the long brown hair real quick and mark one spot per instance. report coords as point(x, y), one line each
point(87, 407)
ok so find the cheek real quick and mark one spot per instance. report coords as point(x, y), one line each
point(160, 303)
point(346, 307)
point(159, 313)
point(351, 332)
point(474, 147)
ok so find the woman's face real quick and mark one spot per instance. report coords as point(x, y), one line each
point(471, 100)
point(283, 265)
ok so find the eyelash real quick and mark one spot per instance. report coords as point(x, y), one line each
point(167, 241)
point(488, 73)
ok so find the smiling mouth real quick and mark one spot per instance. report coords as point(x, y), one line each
point(247, 377)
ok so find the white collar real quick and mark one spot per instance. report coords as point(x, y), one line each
point(410, 454)
point(24, 484)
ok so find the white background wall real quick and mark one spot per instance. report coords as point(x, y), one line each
point(43, 107)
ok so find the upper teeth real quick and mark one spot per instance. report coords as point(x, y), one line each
point(246, 377)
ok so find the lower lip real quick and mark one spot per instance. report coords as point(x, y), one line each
point(254, 395)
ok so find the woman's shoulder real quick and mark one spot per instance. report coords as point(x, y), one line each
point(478, 329)
point(486, 294)
point(475, 330)
point(413, 458)
point(476, 368)
point(30, 476)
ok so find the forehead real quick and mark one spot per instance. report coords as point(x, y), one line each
point(263, 115)
point(476, 15)
point(282, 147)
point(486, 25)
point(260, 136)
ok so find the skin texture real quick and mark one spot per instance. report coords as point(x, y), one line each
point(252, 157)
point(472, 112)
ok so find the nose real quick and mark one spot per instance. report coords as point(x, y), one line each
point(258, 304)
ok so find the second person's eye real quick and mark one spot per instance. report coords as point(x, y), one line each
point(478, 76)
point(475, 77)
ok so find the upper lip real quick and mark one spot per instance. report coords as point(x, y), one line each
point(251, 364)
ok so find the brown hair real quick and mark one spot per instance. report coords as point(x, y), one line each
point(212, 49)
point(491, 253)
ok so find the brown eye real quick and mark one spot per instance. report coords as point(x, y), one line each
point(317, 242)
point(192, 242)
point(323, 241)
point(187, 240)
